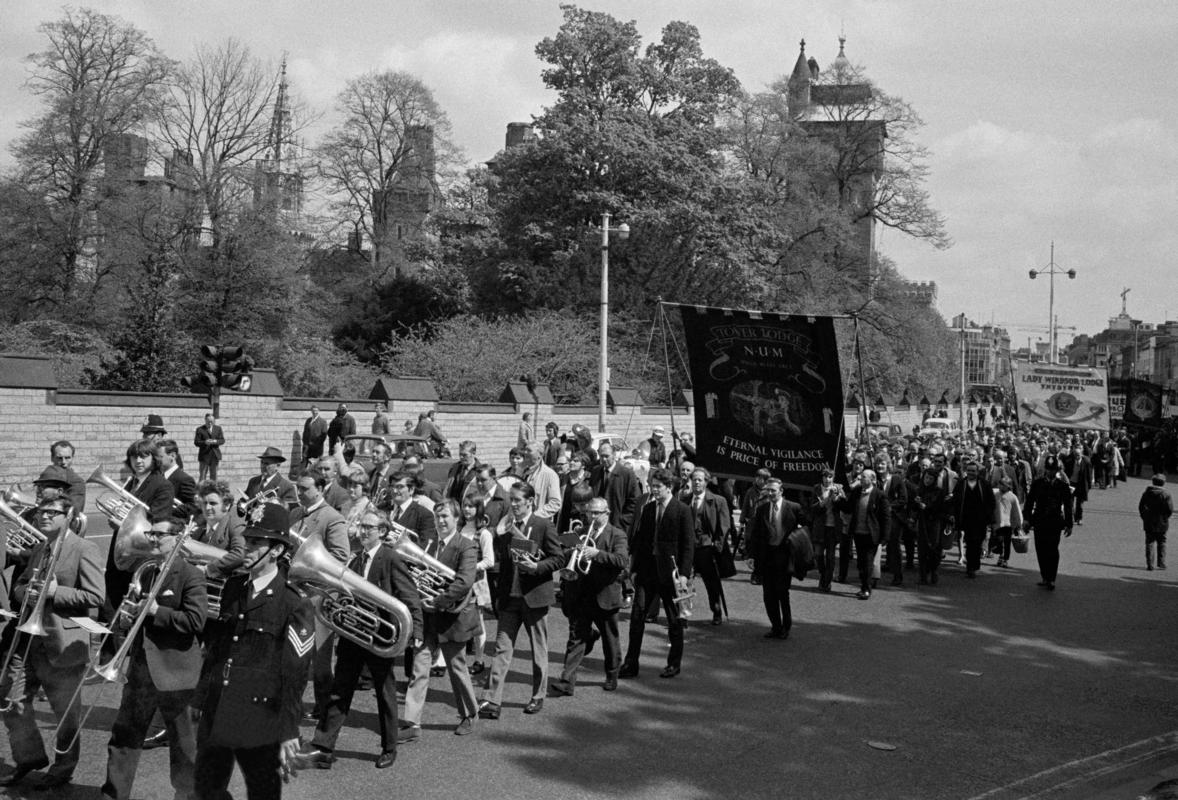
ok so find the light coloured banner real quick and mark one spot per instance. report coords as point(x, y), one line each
point(1062, 397)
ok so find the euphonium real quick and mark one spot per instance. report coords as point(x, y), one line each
point(118, 507)
point(350, 605)
point(432, 577)
point(21, 500)
point(201, 555)
point(32, 608)
point(20, 534)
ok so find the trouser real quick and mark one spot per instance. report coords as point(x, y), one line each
point(909, 539)
point(208, 469)
point(138, 706)
point(825, 545)
point(581, 623)
point(1047, 551)
point(704, 565)
point(1155, 541)
point(846, 541)
point(59, 684)
point(214, 767)
point(454, 654)
point(973, 536)
point(1078, 512)
point(350, 662)
point(321, 675)
point(865, 550)
point(649, 586)
point(929, 551)
point(1000, 542)
point(895, 554)
point(1099, 474)
point(512, 615)
point(775, 581)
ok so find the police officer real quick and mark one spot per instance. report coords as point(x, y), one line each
point(256, 669)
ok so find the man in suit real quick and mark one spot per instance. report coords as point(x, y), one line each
point(183, 486)
point(333, 491)
point(617, 483)
point(663, 542)
point(712, 522)
point(461, 474)
point(544, 481)
point(256, 669)
point(451, 621)
point(768, 544)
point(269, 479)
point(317, 519)
point(868, 509)
point(403, 510)
point(222, 528)
point(827, 524)
point(425, 487)
point(591, 595)
point(1078, 470)
point(386, 570)
point(494, 497)
point(314, 436)
point(382, 470)
point(972, 508)
point(525, 592)
point(61, 455)
point(162, 675)
point(57, 661)
point(208, 440)
point(895, 489)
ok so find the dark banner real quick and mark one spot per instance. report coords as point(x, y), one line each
point(1136, 402)
point(768, 393)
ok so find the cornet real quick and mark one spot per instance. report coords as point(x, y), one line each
point(20, 534)
point(578, 564)
point(247, 504)
point(115, 508)
point(350, 605)
point(684, 591)
point(201, 555)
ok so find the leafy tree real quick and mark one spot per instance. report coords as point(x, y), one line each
point(309, 365)
point(75, 351)
point(98, 77)
point(392, 136)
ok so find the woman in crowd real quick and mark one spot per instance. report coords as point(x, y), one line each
point(475, 526)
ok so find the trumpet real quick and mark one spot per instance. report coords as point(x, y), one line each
point(20, 534)
point(431, 576)
point(118, 507)
point(32, 608)
point(350, 605)
point(578, 564)
point(131, 616)
point(247, 504)
point(684, 591)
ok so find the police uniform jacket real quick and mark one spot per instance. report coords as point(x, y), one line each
point(256, 668)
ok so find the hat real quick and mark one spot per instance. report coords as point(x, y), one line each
point(273, 454)
point(268, 521)
point(1158, 480)
point(154, 424)
point(53, 477)
point(658, 431)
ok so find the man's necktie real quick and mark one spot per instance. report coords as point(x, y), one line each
point(360, 563)
point(658, 516)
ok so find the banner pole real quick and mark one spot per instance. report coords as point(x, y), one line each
point(667, 363)
point(862, 386)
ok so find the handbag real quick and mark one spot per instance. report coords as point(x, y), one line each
point(725, 561)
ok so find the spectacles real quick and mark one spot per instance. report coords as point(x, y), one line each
point(364, 527)
point(52, 512)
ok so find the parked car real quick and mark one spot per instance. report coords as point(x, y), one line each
point(939, 427)
point(403, 444)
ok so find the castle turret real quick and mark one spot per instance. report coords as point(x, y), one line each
point(799, 85)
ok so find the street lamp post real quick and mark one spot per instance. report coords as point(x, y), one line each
point(623, 231)
point(1052, 270)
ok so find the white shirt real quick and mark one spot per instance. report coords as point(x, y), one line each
point(372, 551)
point(260, 582)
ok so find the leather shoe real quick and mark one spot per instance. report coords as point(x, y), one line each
point(534, 706)
point(465, 726)
point(560, 689)
point(52, 781)
point(386, 759)
point(773, 634)
point(408, 733)
point(488, 710)
point(157, 739)
point(610, 685)
point(316, 758)
point(669, 671)
point(716, 618)
point(18, 774)
point(628, 671)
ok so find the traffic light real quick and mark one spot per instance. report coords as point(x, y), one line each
point(210, 364)
point(236, 369)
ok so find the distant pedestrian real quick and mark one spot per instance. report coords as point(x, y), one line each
point(525, 435)
point(208, 440)
point(1156, 507)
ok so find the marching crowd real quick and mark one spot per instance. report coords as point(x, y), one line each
point(228, 634)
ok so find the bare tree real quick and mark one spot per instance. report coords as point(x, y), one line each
point(97, 78)
point(389, 151)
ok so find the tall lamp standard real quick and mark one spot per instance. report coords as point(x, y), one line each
point(623, 232)
point(1052, 270)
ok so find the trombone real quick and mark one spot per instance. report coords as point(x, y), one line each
point(130, 617)
point(118, 507)
point(20, 535)
point(32, 608)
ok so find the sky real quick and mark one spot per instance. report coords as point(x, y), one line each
point(1046, 121)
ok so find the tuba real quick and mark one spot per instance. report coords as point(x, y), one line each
point(20, 535)
point(432, 577)
point(116, 507)
point(350, 605)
